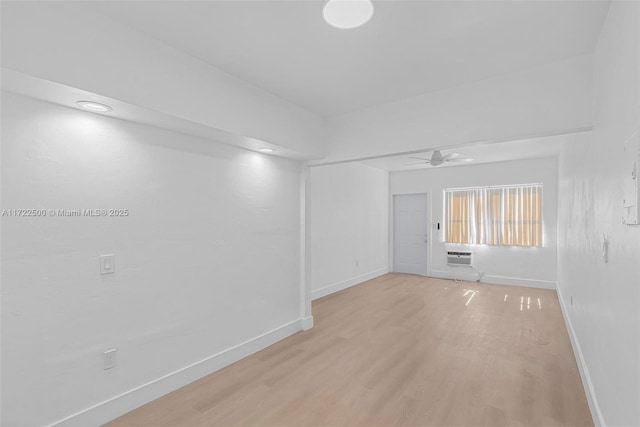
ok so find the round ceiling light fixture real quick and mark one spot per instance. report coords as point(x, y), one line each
point(347, 14)
point(94, 107)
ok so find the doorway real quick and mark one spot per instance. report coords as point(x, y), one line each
point(410, 233)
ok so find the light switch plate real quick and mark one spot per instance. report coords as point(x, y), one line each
point(107, 264)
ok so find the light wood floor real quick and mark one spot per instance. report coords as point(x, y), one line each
point(399, 350)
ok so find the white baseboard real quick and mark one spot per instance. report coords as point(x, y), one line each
point(307, 323)
point(457, 273)
point(319, 293)
point(116, 406)
point(472, 276)
point(596, 414)
point(517, 281)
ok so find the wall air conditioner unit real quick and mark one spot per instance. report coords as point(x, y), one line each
point(457, 259)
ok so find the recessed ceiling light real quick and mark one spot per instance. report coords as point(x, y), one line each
point(346, 14)
point(94, 107)
point(266, 150)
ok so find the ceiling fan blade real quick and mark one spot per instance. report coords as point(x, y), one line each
point(464, 160)
point(419, 158)
point(419, 163)
point(452, 156)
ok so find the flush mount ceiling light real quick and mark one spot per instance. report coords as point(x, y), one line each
point(94, 107)
point(266, 150)
point(346, 14)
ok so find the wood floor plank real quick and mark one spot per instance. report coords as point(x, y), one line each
point(399, 350)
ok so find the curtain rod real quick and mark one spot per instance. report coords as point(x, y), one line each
point(493, 187)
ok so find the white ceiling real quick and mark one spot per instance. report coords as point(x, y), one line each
point(480, 153)
point(408, 48)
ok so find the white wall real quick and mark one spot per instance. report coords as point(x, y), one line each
point(604, 318)
point(349, 226)
point(534, 102)
point(500, 264)
point(207, 259)
point(65, 42)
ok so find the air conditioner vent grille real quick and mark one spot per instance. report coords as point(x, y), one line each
point(455, 258)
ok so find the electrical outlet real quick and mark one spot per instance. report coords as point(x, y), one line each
point(109, 359)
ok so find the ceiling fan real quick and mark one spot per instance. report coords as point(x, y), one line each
point(438, 159)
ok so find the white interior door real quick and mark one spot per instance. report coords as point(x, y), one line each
point(410, 233)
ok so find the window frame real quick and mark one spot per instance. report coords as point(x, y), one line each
point(494, 234)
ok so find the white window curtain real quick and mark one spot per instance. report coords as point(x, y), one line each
point(506, 215)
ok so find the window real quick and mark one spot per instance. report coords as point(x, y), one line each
point(505, 215)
